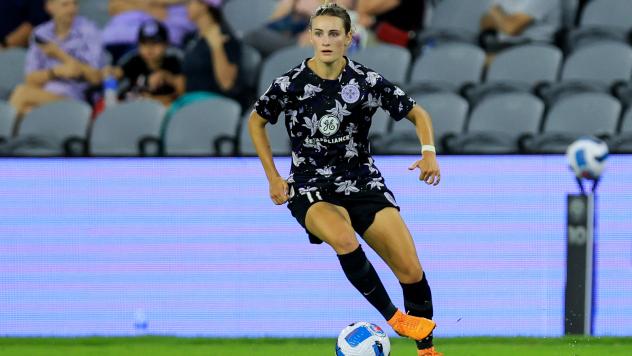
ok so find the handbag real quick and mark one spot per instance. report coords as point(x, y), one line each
point(386, 32)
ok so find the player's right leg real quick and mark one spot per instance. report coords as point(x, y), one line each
point(331, 223)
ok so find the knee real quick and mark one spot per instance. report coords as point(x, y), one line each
point(19, 96)
point(410, 273)
point(344, 243)
point(18, 92)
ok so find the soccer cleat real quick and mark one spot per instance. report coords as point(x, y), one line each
point(414, 327)
point(429, 352)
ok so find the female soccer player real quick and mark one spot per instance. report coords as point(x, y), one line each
point(334, 188)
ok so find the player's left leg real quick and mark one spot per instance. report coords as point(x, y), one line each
point(391, 239)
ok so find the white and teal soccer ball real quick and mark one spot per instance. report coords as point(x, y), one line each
point(587, 157)
point(363, 339)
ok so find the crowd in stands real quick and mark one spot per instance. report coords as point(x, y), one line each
point(179, 52)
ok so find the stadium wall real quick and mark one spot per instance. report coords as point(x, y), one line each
point(194, 247)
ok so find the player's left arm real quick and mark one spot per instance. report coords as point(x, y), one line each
point(428, 165)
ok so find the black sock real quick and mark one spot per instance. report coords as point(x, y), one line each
point(362, 275)
point(418, 302)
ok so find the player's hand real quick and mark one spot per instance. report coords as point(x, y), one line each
point(279, 191)
point(429, 168)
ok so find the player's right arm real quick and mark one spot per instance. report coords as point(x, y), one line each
point(278, 185)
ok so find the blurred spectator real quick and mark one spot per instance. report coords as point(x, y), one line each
point(395, 21)
point(63, 58)
point(151, 71)
point(19, 17)
point(211, 61)
point(119, 34)
point(288, 25)
point(510, 22)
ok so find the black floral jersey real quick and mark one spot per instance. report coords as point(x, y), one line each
point(328, 122)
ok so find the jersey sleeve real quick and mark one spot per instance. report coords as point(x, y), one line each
point(272, 102)
point(394, 101)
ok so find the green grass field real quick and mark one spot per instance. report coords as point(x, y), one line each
point(162, 346)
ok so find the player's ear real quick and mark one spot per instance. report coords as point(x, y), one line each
point(349, 38)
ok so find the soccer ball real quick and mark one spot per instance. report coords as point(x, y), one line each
point(587, 156)
point(363, 339)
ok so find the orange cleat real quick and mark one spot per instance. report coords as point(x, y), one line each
point(414, 327)
point(429, 352)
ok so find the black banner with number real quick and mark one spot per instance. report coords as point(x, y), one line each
point(579, 265)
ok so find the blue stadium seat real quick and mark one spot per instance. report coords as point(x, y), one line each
point(520, 68)
point(246, 15)
point(622, 142)
point(280, 62)
point(203, 128)
point(95, 10)
point(455, 20)
point(250, 66)
point(498, 122)
point(589, 113)
point(128, 129)
point(447, 67)
point(11, 70)
point(277, 134)
point(389, 60)
point(54, 129)
point(602, 20)
point(448, 112)
point(596, 67)
point(7, 121)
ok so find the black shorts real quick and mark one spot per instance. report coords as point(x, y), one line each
point(361, 206)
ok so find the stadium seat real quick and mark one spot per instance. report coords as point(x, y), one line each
point(448, 112)
point(622, 142)
point(602, 20)
point(250, 65)
point(244, 16)
point(277, 134)
point(498, 122)
point(95, 10)
point(128, 129)
point(54, 129)
point(11, 70)
point(389, 60)
point(447, 67)
point(595, 67)
point(203, 128)
point(519, 68)
point(379, 124)
point(7, 121)
point(280, 62)
point(574, 116)
point(455, 20)
point(570, 9)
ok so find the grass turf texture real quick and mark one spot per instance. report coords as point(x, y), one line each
point(159, 346)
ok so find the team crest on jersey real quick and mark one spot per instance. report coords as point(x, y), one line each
point(328, 125)
point(350, 93)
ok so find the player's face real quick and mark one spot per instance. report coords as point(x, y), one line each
point(329, 38)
